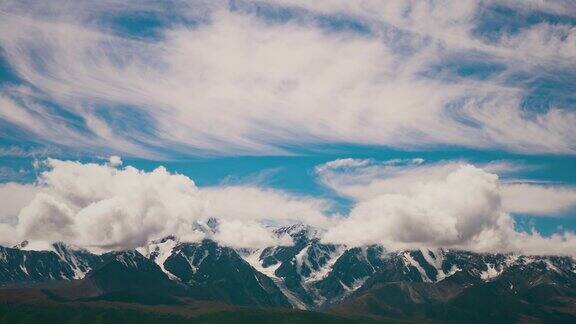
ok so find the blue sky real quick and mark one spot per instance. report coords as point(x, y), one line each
point(262, 93)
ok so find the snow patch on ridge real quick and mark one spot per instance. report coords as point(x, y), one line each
point(254, 260)
point(295, 301)
point(490, 273)
point(327, 268)
point(410, 261)
point(159, 251)
point(302, 259)
point(194, 266)
point(127, 259)
point(435, 258)
point(66, 255)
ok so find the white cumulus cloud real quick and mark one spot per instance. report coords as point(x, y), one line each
point(397, 203)
point(102, 207)
point(115, 160)
point(451, 204)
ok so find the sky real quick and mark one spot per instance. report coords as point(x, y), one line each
point(401, 123)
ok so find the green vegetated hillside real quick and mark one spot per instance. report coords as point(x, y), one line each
point(120, 312)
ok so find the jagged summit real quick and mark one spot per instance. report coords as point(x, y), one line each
point(307, 275)
point(299, 232)
point(209, 227)
point(21, 245)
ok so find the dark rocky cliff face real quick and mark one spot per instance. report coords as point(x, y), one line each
point(311, 275)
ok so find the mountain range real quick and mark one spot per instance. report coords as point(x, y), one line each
point(308, 281)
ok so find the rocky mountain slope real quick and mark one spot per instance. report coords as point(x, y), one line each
point(307, 275)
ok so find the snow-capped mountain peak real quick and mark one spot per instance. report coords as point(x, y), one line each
point(307, 275)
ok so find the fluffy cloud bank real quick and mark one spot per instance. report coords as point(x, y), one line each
point(402, 204)
point(101, 207)
point(398, 203)
point(363, 179)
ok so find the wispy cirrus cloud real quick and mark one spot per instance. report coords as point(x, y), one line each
point(241, 82)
